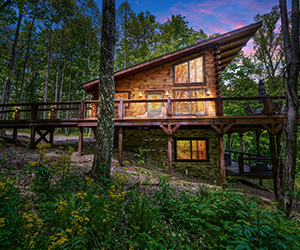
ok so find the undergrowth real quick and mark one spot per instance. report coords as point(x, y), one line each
point(61, 210)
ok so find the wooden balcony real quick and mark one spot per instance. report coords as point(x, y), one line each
point(134, 113)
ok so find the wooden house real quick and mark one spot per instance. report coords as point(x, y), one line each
point(169, 105)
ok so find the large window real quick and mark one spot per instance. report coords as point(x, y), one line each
point(191, 150)
point(187, 107)
point(190, 71)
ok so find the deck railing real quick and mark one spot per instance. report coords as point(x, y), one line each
point(125, 108)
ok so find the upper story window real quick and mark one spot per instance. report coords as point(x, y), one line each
point(190, 71)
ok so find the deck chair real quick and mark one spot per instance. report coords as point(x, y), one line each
point(251, 111)
point(277, 107)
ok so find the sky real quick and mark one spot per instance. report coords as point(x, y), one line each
point(209, 15)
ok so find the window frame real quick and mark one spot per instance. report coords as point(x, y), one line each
point(123, 92)
point(188, 61)
point(191, 139)
point(189, 90)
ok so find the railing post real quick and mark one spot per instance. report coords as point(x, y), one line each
point(53, 113)
point(268, 106)
point(34, 111)
point(169, 107)
point(120, 109)
point(219, 106)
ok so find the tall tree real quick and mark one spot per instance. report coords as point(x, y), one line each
point(105, 122)
point(292, 58)
point(123, 19)
point(269, 49)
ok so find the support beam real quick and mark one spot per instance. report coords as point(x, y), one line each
point(121, 146)
point(51, 137)
point(80, 141)
point(241, 141)
point(229, 142)
point(222, 160)
point(32, 138)
point(170, 154)
point(274, 166)
point(15, 134)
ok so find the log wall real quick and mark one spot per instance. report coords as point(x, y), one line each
point(161, 79)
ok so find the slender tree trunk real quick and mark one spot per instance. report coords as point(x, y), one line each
point(69, 93)
point(292, 57)
point(58, 66)
point(27, 55)
point(14, 59)
point(48, 68)
point(3, 95)
point(105, 123)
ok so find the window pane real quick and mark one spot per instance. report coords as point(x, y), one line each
point(197, 106)
point(199, 150)
point(183, 149)
point(196, 70)
point(181, 73)
point(182, 107)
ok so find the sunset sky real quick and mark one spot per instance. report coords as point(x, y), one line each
point(209, 15)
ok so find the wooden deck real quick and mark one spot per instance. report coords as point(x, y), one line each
point(83, 114)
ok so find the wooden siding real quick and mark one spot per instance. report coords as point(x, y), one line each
point(161, 79)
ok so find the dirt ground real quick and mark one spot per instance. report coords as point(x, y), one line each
point(18, 154)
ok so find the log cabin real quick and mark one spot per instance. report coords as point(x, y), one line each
point(170, 105)
point(172, 108)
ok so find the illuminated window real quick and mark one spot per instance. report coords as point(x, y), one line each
point(191, 150)
point(190, 72)
point(187, 107)
point(124, 95)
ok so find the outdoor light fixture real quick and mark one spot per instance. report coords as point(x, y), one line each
point(52, 109)
point(140, 94)
point(93, 107)
point(167, 93)
point(16, 110)
point(208, 92)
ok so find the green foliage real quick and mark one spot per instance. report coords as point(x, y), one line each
point(84, 214)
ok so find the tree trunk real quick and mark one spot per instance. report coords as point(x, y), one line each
point(61, 89)
point(14, 59)
point(292, 57)
point(3, 95)
point(27, 55)
point(58, 66)
point(69, 93)
point(48, 68)
point(105, 123)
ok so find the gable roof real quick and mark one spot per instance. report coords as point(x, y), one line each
point(228, 46)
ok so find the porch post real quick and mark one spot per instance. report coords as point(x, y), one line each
point(229, 142)
point(80, 141)
point(241, 142)
point(121, 146)
point(170, 154)
point(32, 138)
